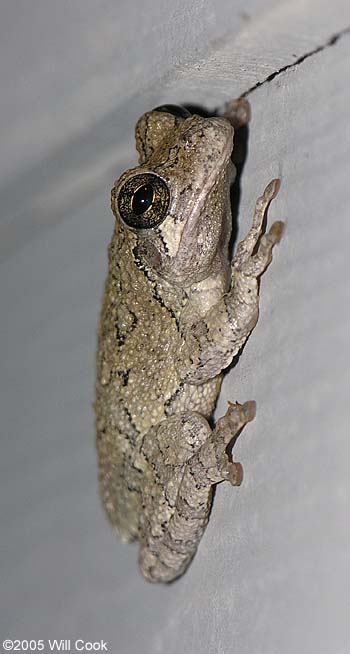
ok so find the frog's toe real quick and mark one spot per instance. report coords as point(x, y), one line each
point(238, 415)
point(237, 112)
point(233, 472)
point(271, 190)
point(276, 231)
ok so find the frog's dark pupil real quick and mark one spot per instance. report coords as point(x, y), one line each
point(142, 199)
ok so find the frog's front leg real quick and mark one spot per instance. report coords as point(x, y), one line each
point(182, 460)
point(212, 341)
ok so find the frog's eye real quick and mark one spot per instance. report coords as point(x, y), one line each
point(174, 110)
point(143, 201)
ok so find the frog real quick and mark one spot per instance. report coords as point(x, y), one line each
point(176, 310)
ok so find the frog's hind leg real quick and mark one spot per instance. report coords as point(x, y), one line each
point(173, 523)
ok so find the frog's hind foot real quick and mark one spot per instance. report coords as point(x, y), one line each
point(223, 437)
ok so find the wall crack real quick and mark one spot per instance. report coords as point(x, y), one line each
point(331, 41)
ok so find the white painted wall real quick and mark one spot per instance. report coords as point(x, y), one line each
point(272, 572)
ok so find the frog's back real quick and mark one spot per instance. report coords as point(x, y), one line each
point(138, 381)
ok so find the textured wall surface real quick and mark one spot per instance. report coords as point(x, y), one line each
point(271, 574)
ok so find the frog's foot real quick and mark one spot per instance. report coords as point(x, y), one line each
point(246, 247)
point(225, 433)
point(237, 112)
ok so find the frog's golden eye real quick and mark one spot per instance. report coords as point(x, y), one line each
point(143, 201)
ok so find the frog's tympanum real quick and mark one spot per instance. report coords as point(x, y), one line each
point(175, 312)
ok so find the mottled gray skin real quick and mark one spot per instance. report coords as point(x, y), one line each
point(175, 312)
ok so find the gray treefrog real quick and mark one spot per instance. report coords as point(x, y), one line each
point(175, 312)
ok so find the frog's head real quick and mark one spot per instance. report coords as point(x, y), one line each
point(177, 201)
